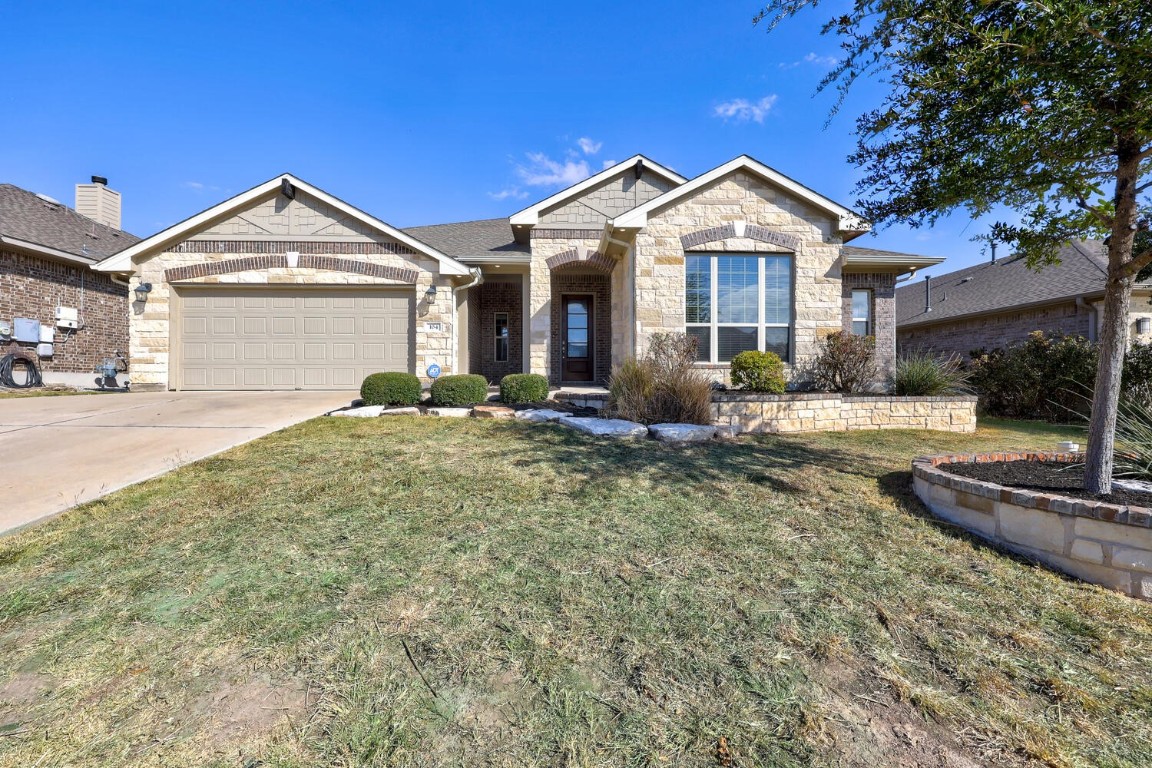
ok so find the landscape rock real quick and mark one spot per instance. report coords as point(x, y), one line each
point(540, 415)
point(493, 412)
point(456, 413)
point(729, 431)
point(409, 411)
point(363, 411)
point(682, 433)
point(604, 427)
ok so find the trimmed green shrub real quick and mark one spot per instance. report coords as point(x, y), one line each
point(391, 389)
point(758, 372)
point(461, 389)
point(664, 387)
point(845, 363)
point(1137, 378)
point(926, 375)
point(523, 388)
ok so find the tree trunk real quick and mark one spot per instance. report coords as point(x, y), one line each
point(1114, 334)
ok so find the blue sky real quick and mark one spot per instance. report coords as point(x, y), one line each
point(417, 113)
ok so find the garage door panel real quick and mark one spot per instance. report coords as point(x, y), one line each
point(254, 337)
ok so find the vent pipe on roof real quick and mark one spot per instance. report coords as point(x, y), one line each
point(993, 251)
point(100, 180)
point(927, 293)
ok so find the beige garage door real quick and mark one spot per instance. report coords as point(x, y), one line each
point(294, 338)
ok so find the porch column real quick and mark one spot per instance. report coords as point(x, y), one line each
point(539, 317)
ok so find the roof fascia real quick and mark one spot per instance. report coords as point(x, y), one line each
point(43, 250)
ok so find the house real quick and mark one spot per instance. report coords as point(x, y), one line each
point(287, 286)
point(1000, 302)
point(51, 301)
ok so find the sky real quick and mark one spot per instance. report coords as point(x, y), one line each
point(419, 113)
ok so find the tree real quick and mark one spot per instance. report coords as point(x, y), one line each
point(1043, 106)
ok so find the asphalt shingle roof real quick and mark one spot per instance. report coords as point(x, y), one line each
point(28, 217)
point(1005, 284)
point(468, 239)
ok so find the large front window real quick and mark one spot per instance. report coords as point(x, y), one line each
point(736, 303)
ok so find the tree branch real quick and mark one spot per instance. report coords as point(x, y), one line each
point(1137, 263)
point(1096, 212)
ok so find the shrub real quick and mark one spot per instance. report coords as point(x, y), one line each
point(1132, 456)
point(758, 372)
point(523, 388)
point(926, 375)
point(846, 363)
point(391, 389)
point(664, 387)
point(1137, 378)
point(462, 389)
point(1047, 377)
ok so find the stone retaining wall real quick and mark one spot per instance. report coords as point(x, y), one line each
point(827, 412)
point(1105, 544)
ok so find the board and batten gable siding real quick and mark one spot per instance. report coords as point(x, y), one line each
point(257, 239)
point(659, 256)
point(608, 200)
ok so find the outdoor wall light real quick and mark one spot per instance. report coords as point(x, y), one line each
point(142, 291)
point(1144, 325)
point(430, 294)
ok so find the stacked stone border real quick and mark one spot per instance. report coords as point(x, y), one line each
point(825, 411)
point(1106, 544)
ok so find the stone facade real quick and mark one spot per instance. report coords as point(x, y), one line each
point(331, 251)
point(746, 203)
point(546, 244)
point(615, 196)
point(33, 287)
point(1105, 544)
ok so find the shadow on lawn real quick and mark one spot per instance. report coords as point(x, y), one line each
point(763, 460)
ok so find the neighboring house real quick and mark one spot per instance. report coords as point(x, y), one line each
point(46, 253)
point(286, 286)
point(998, 303)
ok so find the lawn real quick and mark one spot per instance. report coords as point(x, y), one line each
point(445, 592)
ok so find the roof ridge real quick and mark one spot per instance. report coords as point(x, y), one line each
point(1076, 246)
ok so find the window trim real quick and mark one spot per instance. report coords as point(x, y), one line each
point(497, 338)
point(868, 322)
point(761, 324)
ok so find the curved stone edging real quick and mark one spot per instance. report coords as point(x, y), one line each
point(1106, 544)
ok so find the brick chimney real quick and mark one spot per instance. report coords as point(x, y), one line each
point(99, 203)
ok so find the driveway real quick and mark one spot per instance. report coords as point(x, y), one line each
point(57, 452)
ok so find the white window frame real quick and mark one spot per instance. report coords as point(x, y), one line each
point(761, 325)
point(866, 320)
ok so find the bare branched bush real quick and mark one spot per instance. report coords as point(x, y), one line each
point(664, 386)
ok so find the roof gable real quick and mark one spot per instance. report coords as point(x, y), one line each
point(265, 211)
point(532, 215)
point(847, 221)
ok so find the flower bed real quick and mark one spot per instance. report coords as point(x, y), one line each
point(1107, 544)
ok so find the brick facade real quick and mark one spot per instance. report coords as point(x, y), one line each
point(883, 288)
point(490, 298)
point(965, 335)
point(598, 287)
point(33, 287)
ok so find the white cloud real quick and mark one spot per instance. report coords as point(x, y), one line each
point(543, 171)
point(198, 186)
point(514, 193)
point(743, 110)
point(823, 61)
point(588, 146)
point(607, 164)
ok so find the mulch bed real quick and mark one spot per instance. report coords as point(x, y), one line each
point(1047, 477)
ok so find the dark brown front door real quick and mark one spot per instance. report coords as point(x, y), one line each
point(576, 343)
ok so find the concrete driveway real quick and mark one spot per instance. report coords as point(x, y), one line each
point(57, 452)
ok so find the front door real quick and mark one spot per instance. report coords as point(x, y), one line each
point(576, 343)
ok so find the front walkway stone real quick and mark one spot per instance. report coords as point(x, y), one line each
point(409, 411)
point(363, 411)
point(590, 425)
point(493, 412)
point(456, 413)
point(682, 433)
point(540, 415)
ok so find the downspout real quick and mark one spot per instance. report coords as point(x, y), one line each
point(477, 279)
point(1093, 316)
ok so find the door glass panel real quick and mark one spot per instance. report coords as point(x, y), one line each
point(577, 328)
